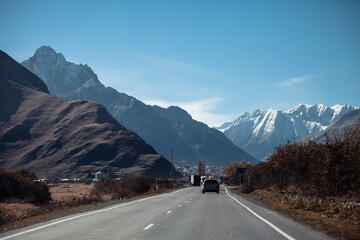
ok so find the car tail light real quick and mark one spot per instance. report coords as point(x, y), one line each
point(217, 185)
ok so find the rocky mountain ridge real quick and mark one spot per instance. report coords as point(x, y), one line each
point(260, 132)
point(336, 130)
point(189, 139)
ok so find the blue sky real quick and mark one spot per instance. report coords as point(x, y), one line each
point(216, 59)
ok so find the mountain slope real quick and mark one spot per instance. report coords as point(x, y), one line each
point(59, 138)
point(335, 130)
point(260, 132)
point(202, 139)
point(72, 81)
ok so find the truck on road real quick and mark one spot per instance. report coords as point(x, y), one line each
point(195, 180)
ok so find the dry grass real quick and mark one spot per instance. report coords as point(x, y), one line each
point(66, 198)
point(19, 210)
point(15, 212)
point(327, 215)
point(68, 191)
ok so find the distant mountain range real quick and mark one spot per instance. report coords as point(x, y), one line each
point(260, 132)
point(54, 137)
point(165, 129)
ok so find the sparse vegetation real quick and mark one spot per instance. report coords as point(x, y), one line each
point(128, 187)
point(317, 169)
point(231, 169)
point(70, 197)
point(6, 217)
point(21, 186)
point(335, 216)
point(318, 181)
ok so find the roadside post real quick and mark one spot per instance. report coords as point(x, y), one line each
point(243, 172)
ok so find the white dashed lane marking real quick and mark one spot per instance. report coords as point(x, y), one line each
point(148, 226)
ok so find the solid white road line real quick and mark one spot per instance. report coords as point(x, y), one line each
point(148, 226)
point(169, 212)
point(261, 218)
point(87, 214)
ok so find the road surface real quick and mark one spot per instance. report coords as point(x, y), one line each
point(183, 214)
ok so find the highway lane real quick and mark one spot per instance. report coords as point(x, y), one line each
point(183, 214)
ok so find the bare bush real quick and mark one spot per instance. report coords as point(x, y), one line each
point(6, 217)
point(123, 188)
point(320, 169)
point(21, 186)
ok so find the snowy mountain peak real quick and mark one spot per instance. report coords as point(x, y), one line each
point(338, 107)
point(299, 109)
point(63, 78)
point(261, 131)
point(340, 110)
point(245, 115)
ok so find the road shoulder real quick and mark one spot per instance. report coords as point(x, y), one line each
point(280, 219)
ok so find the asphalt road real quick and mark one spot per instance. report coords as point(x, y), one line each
point(183, 214)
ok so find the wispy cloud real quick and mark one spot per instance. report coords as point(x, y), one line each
point(294, 81)
point(200, 110)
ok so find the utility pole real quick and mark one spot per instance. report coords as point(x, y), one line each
point(172, 163)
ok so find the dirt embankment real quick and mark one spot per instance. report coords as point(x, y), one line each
point(335, 216)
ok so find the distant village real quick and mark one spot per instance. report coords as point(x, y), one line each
point(188, 169)
point(184, 167)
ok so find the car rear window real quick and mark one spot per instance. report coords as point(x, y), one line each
point(211, 181)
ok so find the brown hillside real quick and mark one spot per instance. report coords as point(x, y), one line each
point(58, 138)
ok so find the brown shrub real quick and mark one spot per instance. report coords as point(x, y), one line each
point(296, 204)
point(315, 206)
point(164, 184)
point(20, 186)
point(123, 188)
point(6, 217)
point(319, 169)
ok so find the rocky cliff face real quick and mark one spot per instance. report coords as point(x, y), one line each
point(59, 138)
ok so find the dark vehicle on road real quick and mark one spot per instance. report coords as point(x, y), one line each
point(210, 185)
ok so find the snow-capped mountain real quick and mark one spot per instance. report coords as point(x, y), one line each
point(337, 130)
point(260, 132)
point(165, 129)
